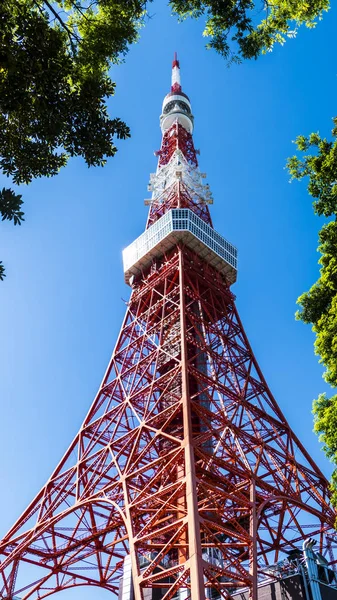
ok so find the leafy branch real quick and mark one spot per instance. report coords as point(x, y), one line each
point(54, 86)
point(72, 37)
point(318, 306)
point(10, 210)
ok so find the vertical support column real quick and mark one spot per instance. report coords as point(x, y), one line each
point(253, 534)
point(132, 563)
point(194, 541)
point(127, 587)
point(10, 586)
point(178, 194)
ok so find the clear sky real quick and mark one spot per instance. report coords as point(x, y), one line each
point(63, 300)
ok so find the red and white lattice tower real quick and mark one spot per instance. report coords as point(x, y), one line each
point(185, 476)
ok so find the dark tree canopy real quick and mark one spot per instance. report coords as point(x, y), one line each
point(244, 29)
point(319, 304)
point(54, 81)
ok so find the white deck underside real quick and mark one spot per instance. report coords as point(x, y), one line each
point(180, 224)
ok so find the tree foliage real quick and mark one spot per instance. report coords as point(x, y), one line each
point(318, 306)
point(10, 209)
point(236, 29)
point(55, 57)
point(54, 85)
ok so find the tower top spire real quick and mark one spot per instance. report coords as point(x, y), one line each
point(175, 83)
point(175, 61)
point(176, 105)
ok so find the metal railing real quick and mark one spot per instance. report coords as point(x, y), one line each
point(178, 220)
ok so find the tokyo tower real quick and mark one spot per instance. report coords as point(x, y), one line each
point(185, 480)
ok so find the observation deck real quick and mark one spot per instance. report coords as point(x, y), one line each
point(180, 225)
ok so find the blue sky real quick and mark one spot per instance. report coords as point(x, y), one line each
point(63, 300)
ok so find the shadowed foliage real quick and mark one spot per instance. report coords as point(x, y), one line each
point(247, 28)
point(319, 304)
point(54, 84)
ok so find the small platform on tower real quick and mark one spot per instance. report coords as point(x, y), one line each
point(180, 225)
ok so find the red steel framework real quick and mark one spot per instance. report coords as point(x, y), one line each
point(177, 195)
point(185, 462)
point(174, 138)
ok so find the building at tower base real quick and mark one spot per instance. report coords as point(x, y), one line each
point(304, 575)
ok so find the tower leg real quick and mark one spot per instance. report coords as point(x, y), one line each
point(253, 535)
point(194, 539)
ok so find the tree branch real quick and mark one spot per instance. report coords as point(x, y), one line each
point(70, 34)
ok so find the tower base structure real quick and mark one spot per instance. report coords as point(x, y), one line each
point(303, 575)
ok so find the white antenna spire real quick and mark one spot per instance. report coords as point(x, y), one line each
point(176, 85)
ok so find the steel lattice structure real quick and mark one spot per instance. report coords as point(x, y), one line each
point(184, 463)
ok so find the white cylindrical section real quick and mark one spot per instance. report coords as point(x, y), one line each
point(175, 75)
point(171, 97)
point(167, 121)
point(176, 112)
